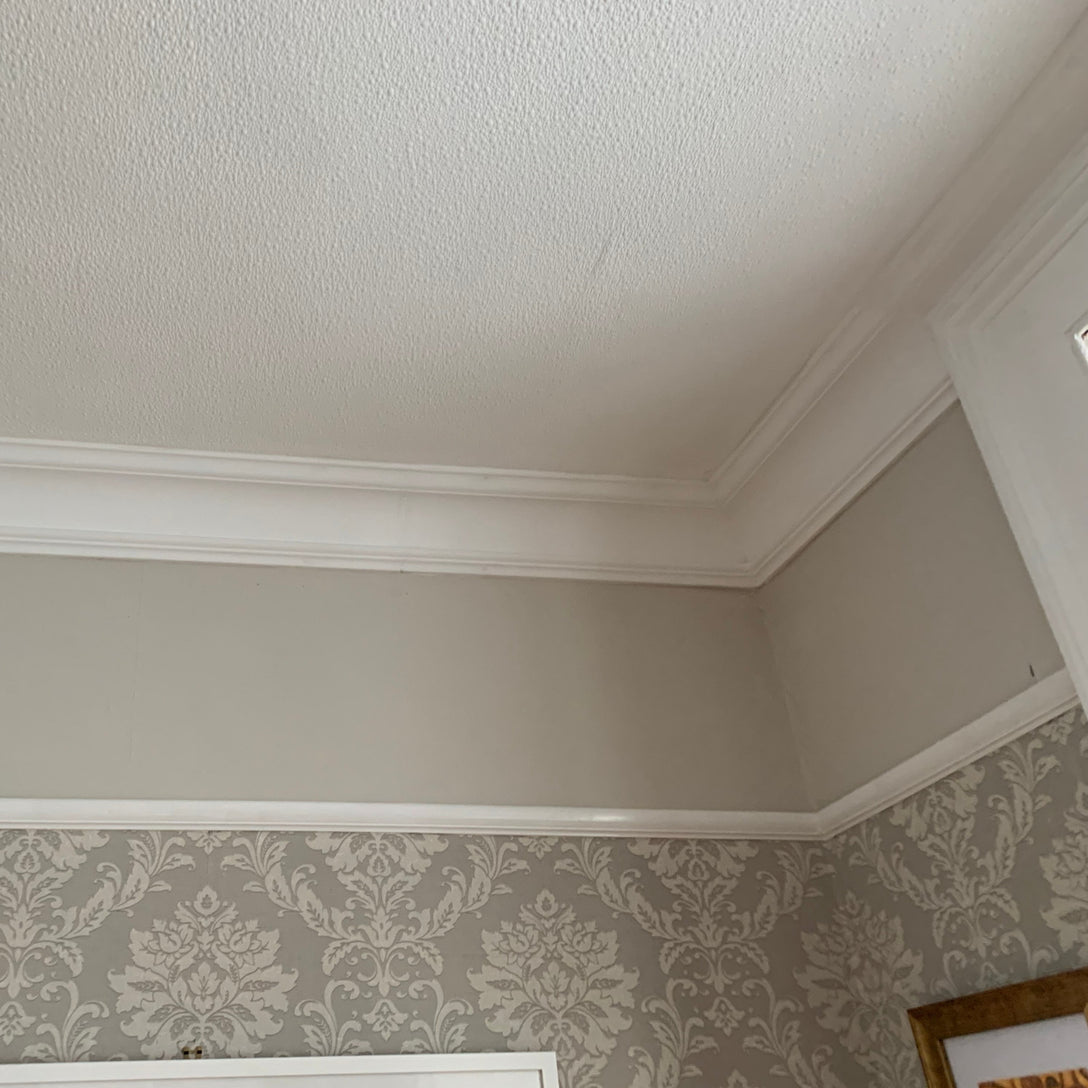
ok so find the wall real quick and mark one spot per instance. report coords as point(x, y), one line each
point(643, 962)
point(184, 680)
point(910, 616)
point(646, 963)
point(631, 958)
point(975, 882)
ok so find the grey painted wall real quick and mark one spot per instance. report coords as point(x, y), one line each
point(910, 616)
point(131, 679)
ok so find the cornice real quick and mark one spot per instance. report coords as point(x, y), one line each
point(863, 397)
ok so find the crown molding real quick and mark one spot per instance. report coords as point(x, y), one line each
point(1040, 703)
point(883, 455)
point(256, 468)
point(82, 499)
point(878, 409)
point(109, 501)
point(868, 392)
point(815, 421)
point(403, 560)
point(823, 368)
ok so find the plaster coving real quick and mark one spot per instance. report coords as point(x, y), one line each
point(863, 398)
point(108, 501)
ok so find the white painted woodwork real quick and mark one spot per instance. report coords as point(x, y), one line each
point(1010, 331)
point(526, 1070)
point(63, 498)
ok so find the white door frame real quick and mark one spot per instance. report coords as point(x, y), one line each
point(1030, 239)
point(411, 1070)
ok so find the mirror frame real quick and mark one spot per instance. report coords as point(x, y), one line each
point(1006, 1007)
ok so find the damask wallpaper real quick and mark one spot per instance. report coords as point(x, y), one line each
point(649, 963)
point(980, 880)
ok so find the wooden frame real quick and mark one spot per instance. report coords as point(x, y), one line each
point(417, 1070)
point(1006, 1007)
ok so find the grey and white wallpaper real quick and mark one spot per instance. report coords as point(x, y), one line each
point(980, 880)
point(646, 963)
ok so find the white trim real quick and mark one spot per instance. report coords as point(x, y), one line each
point(154, 815)
point(103, 545)
point(1031, 708)
point(227, 1069)
point(1080, 341)
point(74, 499)
point(258, 468)
point(783, 545)
point(83, 499)
point(203, 507)
point(1030, 465)
point(1017, 252)
point(1039, 703)
point(819, 374)
point(776, 456)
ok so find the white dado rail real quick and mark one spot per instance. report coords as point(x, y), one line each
point(394, 1071)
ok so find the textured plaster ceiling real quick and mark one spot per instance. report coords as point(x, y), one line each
point(575, 236)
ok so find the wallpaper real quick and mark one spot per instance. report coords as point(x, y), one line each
point(978, 881)
point(645, 963)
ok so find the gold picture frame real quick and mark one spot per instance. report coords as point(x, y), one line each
point(1008, 1006)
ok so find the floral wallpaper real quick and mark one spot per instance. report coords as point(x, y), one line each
point(978, 881)
point(643, 963)
point(639, 962)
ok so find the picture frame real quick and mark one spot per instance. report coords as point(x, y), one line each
point(1048, 1013)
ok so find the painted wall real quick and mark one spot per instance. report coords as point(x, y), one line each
point(184, 680)
point(645, 963)
point(910, 616)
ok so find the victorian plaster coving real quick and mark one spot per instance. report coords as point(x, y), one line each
point(842, 419)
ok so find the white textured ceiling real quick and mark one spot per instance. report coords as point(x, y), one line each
point(595, 237)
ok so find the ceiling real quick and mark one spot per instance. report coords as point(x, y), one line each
point(590, 238)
